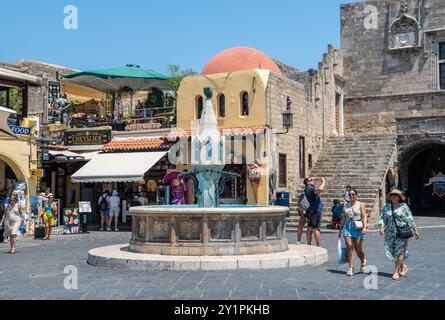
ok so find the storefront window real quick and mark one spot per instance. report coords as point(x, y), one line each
point(235, 189)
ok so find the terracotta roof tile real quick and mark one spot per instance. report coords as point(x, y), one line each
point(54, 147)
point(136, 145)
point(228, 132)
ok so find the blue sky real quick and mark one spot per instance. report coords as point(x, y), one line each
point(155, 34)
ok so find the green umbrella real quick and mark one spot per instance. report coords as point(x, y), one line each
point(111, 80)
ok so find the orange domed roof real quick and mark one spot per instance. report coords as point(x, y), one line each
point(237, 59)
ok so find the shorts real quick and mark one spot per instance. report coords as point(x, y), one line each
point(48, 219)
point(313, 220)
point(114, 212)
point(105, 213)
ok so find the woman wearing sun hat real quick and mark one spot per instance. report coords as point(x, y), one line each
point(397, 226)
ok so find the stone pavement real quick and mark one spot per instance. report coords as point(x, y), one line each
point(37, 272)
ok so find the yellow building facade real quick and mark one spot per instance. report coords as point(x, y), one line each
point(19, 153)
point(233, 123)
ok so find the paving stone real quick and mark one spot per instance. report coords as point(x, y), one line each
point(42, 265)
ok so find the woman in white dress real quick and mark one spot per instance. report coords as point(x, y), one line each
point(14, 219)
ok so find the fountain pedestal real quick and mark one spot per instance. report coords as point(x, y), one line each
point(193, 231)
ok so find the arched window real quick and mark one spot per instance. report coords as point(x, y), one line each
point(199, 106)
point(244, 103)
point(222, 106)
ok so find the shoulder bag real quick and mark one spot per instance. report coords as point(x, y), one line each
point(402, 233)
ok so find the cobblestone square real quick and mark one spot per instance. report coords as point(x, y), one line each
point(37, 272)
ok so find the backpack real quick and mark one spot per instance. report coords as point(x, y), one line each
point(303, 203)
point(104, 203)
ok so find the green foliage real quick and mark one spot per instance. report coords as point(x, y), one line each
point(177, 75)
point(125, 92)
point(15, 99)
point(155, 99)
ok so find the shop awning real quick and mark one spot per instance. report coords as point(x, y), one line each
point(65, 155)
point(117, 167)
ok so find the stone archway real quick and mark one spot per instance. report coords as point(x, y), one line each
point(19, 172)
point(419, 163)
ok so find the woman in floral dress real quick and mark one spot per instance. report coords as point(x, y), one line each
point(396, 249)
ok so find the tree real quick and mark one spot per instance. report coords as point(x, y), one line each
point(15, 99)
point(177, 75)
point(155, 99)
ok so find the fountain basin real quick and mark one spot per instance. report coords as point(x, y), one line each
point(223, 231)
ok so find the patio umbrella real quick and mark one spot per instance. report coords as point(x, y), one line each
point(170, 176)
point(113, 79)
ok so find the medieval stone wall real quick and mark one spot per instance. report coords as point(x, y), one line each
point(313, 94)
point(384, 81)
point(279, 88)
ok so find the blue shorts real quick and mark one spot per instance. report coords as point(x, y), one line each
point(350, 231)
point(105, 213)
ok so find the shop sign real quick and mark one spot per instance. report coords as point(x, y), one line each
point(45, 155)
point(37, 173)
point(21, 130)
point(87, 137)
point(438, 182)
point(85, 206)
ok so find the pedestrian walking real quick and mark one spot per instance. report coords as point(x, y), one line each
point(115, 204)
point(49, 210)
point(354, 229)
point(104, 208)
point(397, 227)
point(315, 209)
point(13, 221)
point(4, 222)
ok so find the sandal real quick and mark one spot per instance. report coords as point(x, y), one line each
point(350, 272)
point(13, 251)
point(363, 267)
point(396, 276)
point(404, 271)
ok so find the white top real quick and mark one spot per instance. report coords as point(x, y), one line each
point(114, 201)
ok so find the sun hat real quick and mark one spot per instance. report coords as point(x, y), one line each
point(397, 192)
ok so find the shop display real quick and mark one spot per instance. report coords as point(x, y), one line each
point(54, 88)
point(71, 221)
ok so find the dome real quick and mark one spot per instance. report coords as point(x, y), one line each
point(237, 59)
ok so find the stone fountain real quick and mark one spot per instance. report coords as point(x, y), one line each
point(207, 236)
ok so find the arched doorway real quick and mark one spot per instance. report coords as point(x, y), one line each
point(425, 164)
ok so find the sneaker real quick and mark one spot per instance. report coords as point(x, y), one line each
point(363, 267)
point(350, 272)
point(298, 243)
point(108, 229)
point(116, 229)
point(101, 229)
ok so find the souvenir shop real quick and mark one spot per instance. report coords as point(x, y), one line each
point(137, 177)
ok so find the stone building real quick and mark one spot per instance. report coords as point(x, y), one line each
point(394, 66)
point(245, 77)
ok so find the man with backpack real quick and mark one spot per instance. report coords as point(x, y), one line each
point(104, 208)
point(315, 209)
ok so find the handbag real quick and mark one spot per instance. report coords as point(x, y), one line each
point(404, 232)
point(358, 224)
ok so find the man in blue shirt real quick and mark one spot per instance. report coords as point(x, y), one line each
point(315, 209)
